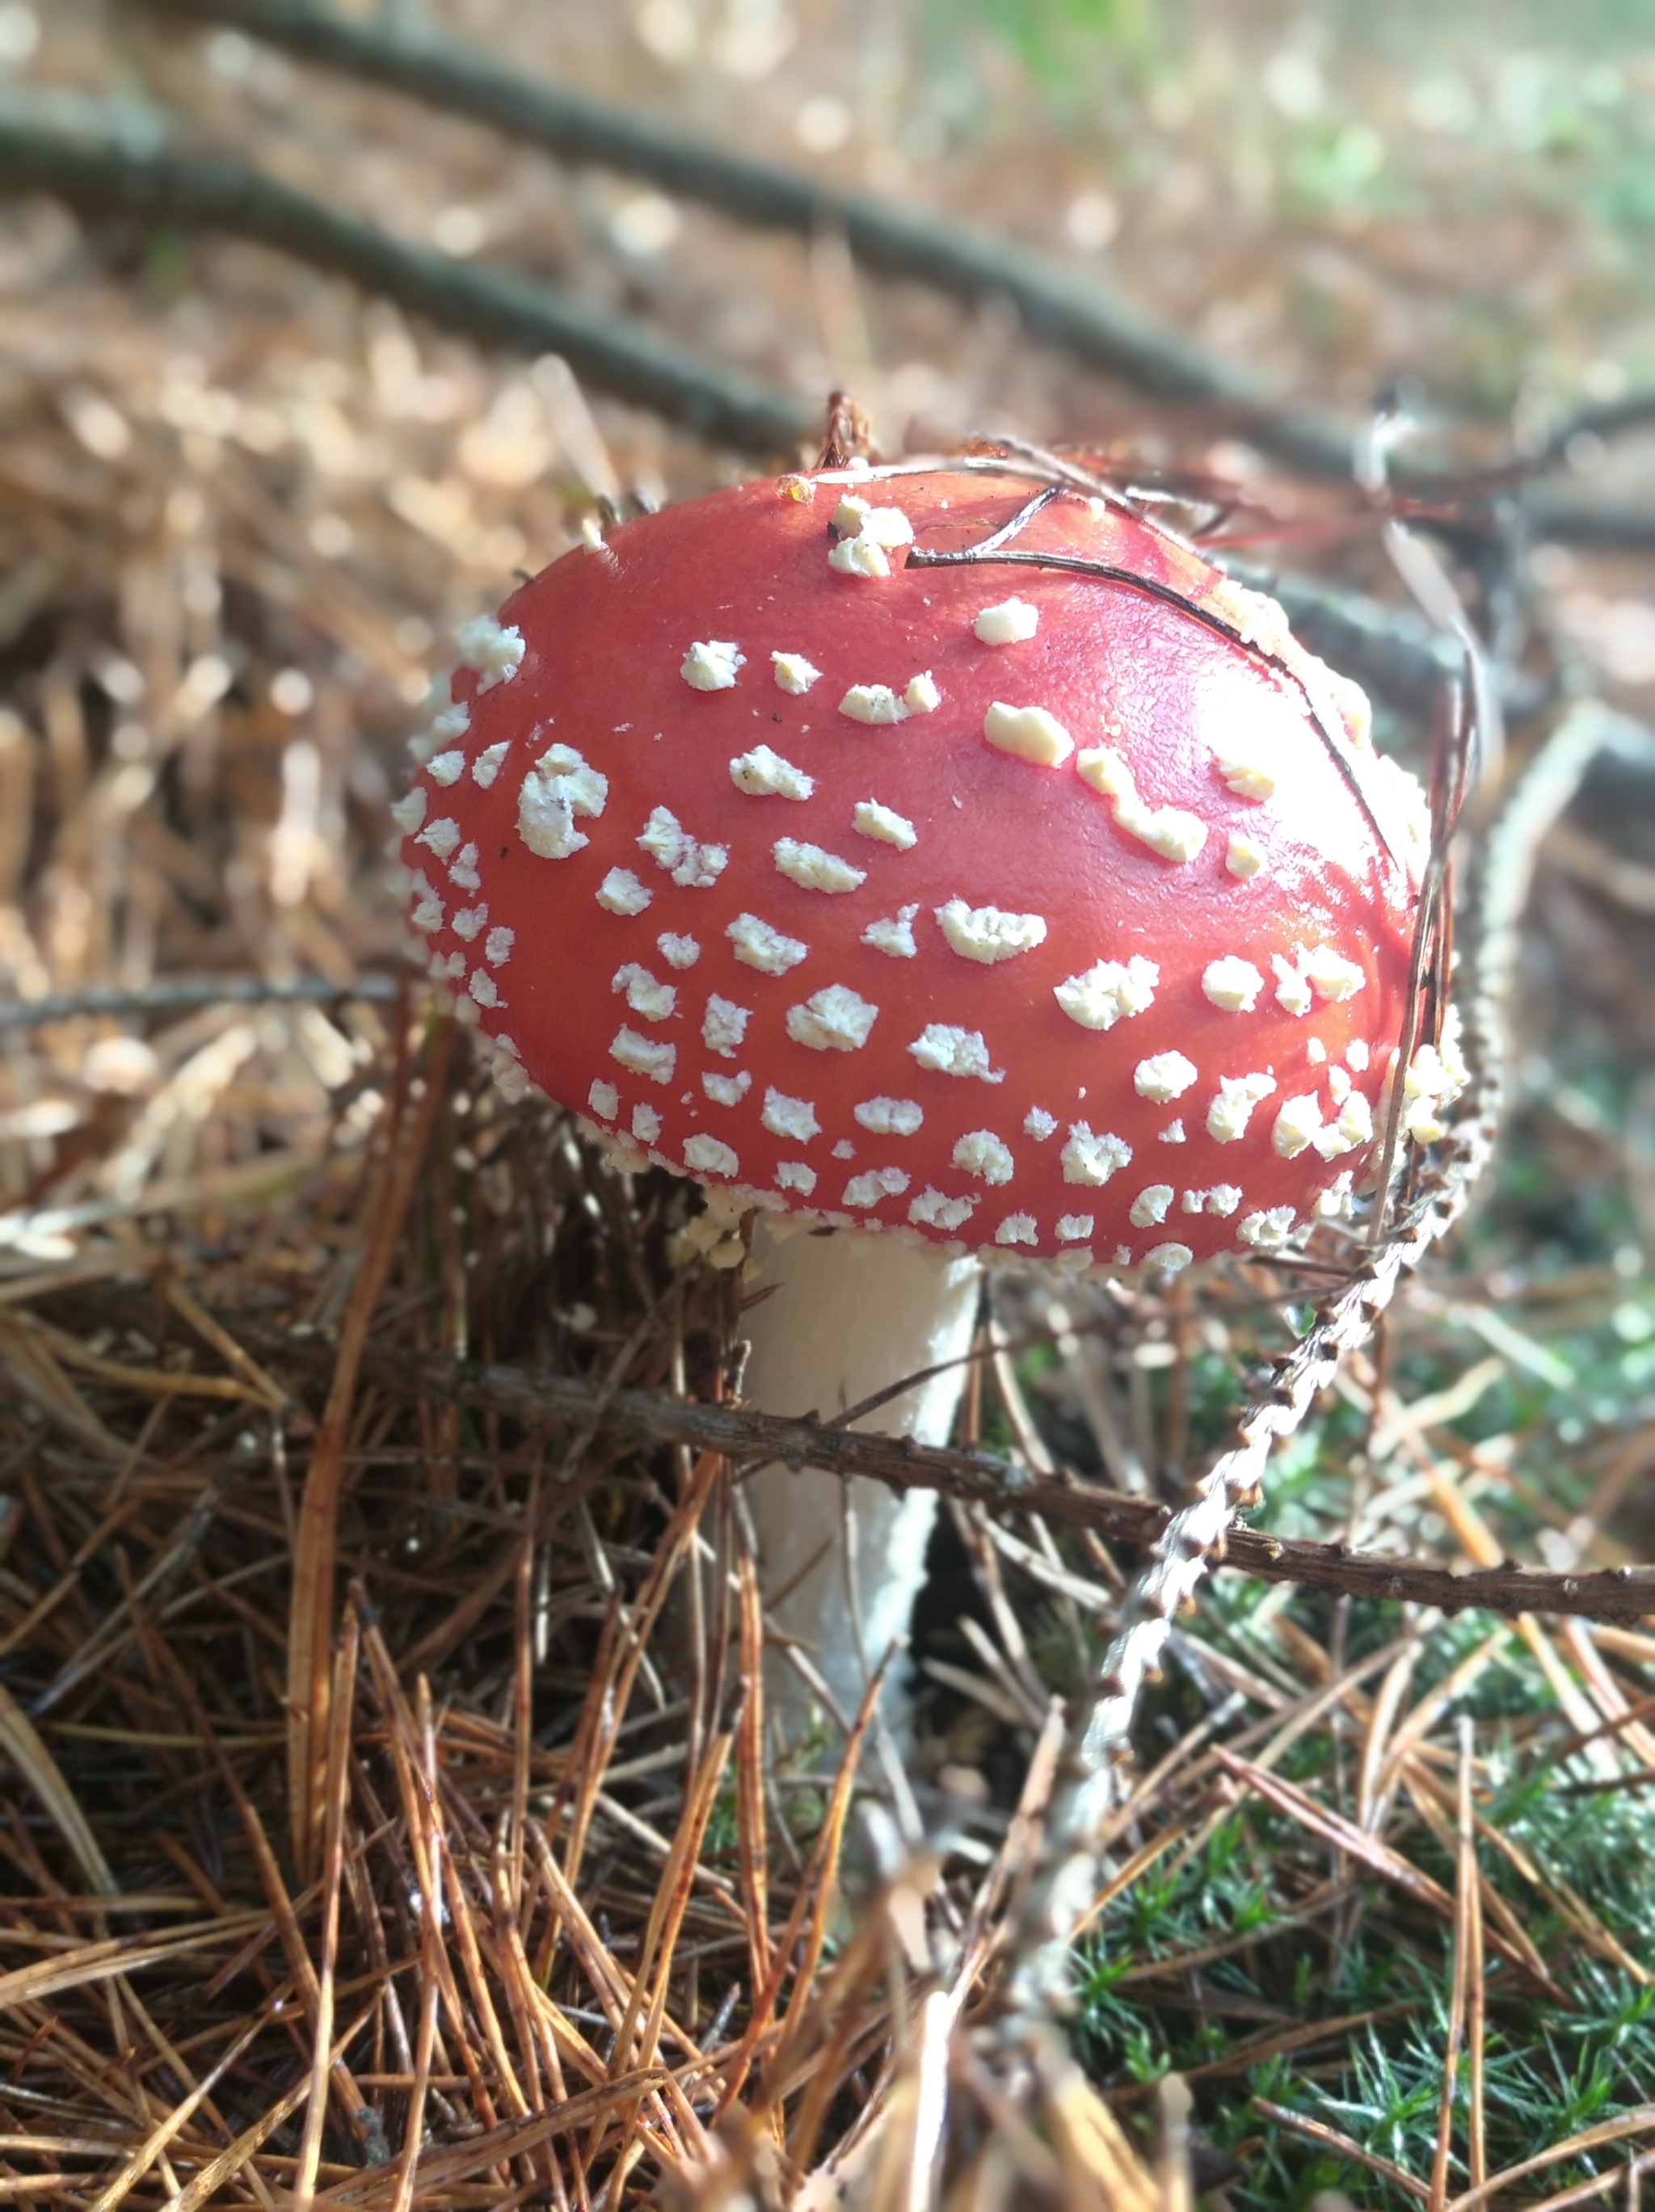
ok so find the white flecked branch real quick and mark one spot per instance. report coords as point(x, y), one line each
point(1070, 1873)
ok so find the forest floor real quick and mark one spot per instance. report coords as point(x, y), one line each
point(1384, 1893)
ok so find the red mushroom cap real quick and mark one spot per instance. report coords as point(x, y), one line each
point(1044, 912)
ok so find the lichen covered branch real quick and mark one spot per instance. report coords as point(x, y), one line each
point(1342, 1321)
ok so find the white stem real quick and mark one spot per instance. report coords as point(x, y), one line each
point(848, 1315)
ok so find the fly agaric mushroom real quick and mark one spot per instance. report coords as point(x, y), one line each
point(782, 840)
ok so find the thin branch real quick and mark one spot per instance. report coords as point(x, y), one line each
point(1390, 649)
point(754, 1439)
point(189, 993)
point(895, 240)
point(1607, 527)
point(1633, 410)
point(125, 166)
point(107, 163)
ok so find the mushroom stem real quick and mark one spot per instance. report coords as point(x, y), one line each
point(848, 1315)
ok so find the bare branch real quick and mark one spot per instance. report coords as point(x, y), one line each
point(106, 164)
point(1633, 410)
point(186, 994)
point(749, 1439)
point(1559, 520)
point(125, 166)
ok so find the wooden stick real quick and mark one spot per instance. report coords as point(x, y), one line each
point(1616, 1594)
point(895, 239)
point(183, 994)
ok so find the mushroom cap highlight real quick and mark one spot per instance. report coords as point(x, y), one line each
point(1056, 914)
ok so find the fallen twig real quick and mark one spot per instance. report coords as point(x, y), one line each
point(749, 1439)
point(125, 163)
point(183, 995)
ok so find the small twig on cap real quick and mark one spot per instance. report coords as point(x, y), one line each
point(846, 434)
point(1074, 564)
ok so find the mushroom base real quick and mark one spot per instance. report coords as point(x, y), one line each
point(849, 1315)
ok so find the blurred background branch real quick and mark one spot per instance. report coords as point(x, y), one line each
point(306, 350)
point(125, 165)
point(889, 237)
